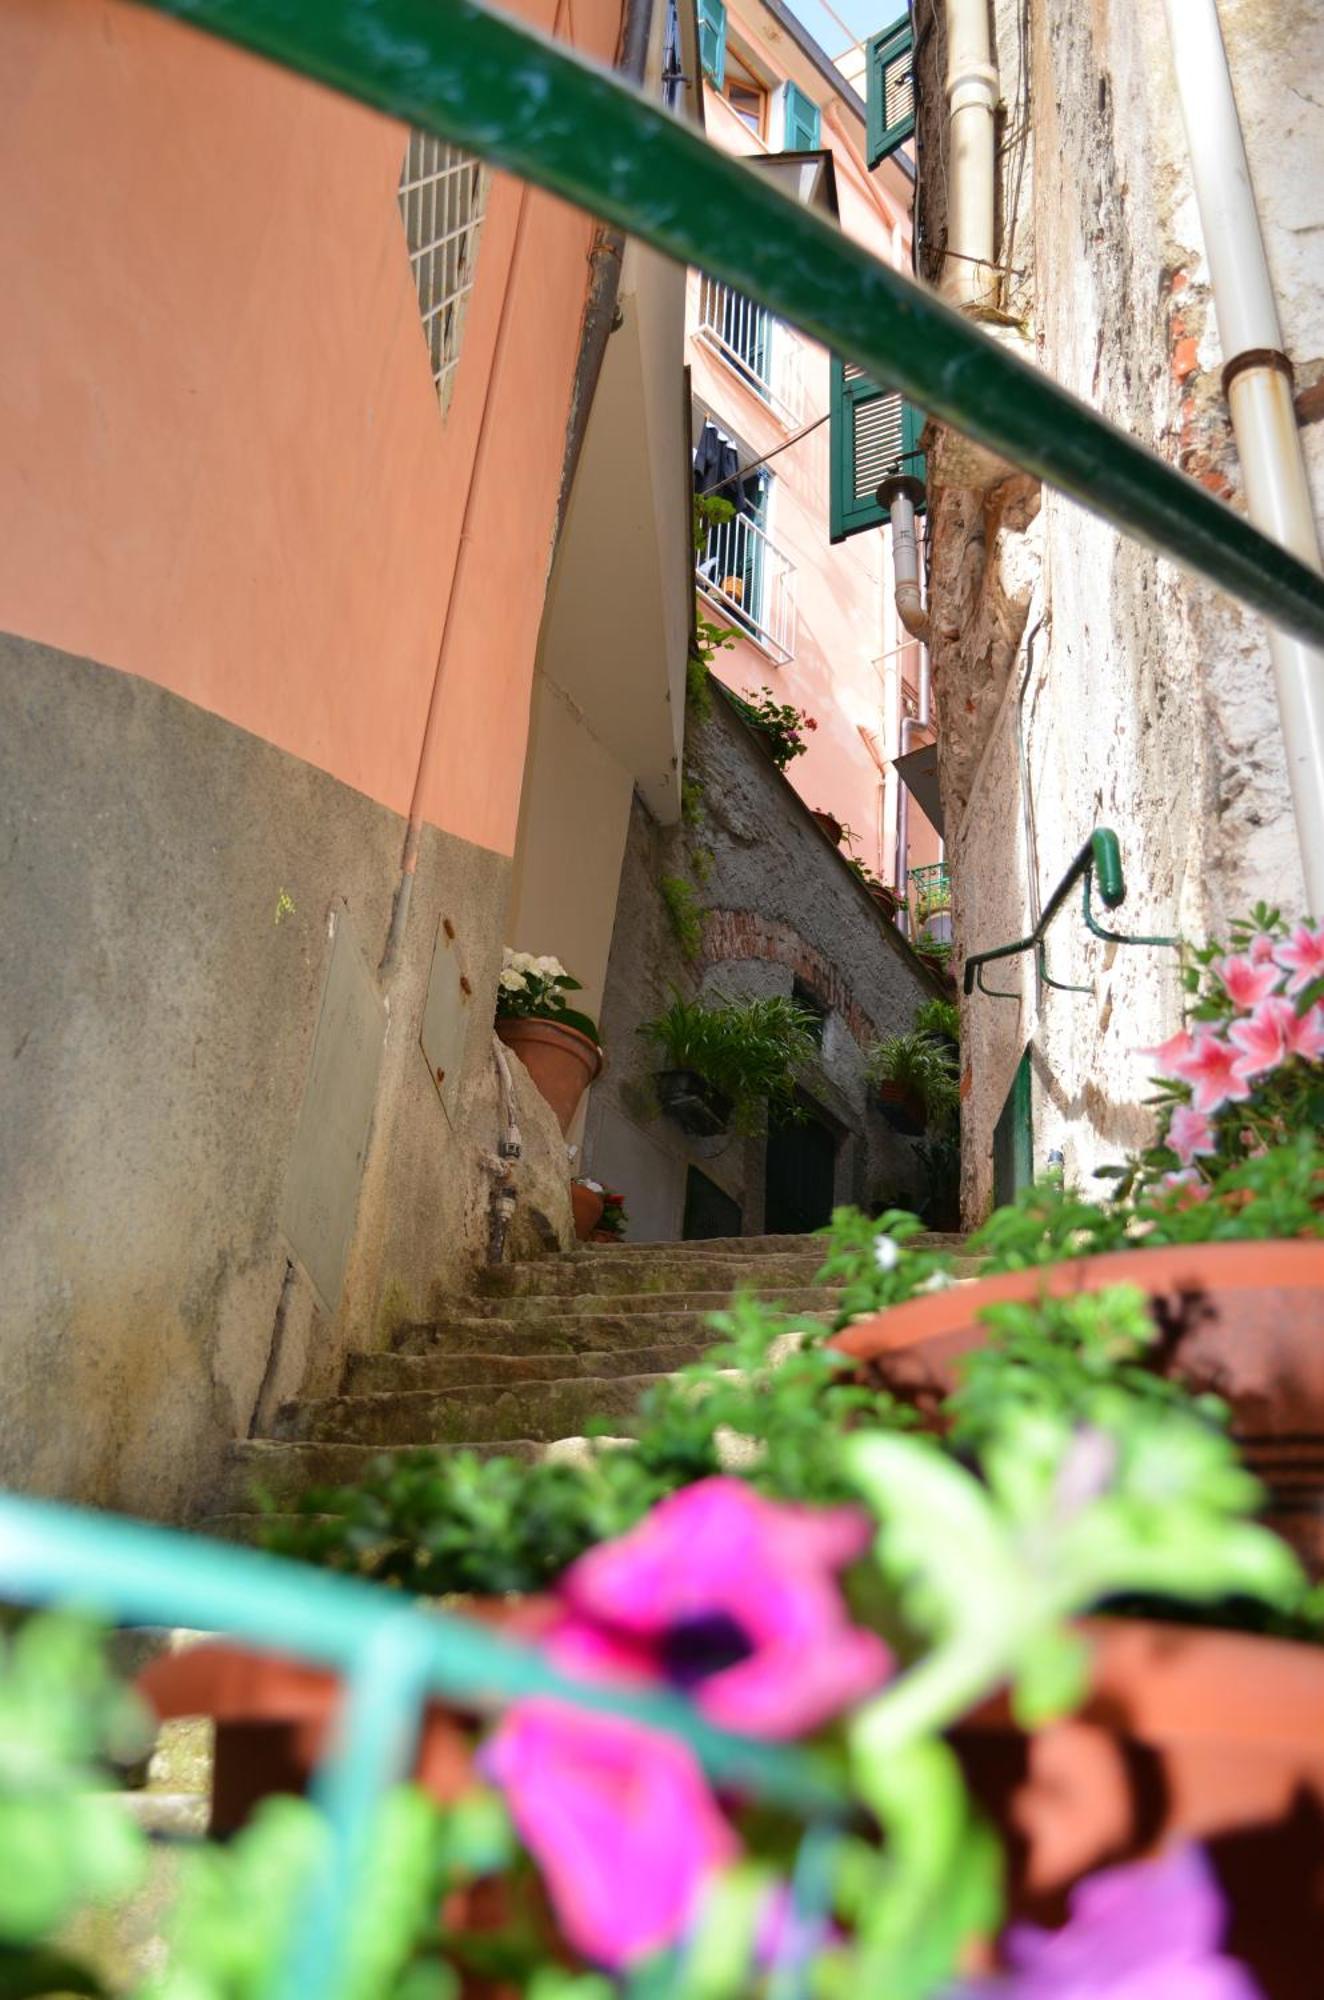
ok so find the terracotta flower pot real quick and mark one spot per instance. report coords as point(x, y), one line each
point(1186, 1735)
point(273, 1715)
point(887, 899)
point(604, 1236)
point(587, 1208)
point(829, 823)
point(1243, 1320)
point(562, 1061)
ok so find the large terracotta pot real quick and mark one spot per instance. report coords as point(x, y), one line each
point(1187, 1734)
point(273, 1715)
point(1245, 1320)
point(587, 1209)
point(562, 1061)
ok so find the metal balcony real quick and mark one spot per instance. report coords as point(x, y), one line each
point(751, 584)
point(755, 343)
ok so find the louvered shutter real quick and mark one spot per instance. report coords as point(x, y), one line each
point(802, 123)
point(874, 432)
point(890, 90)
point(712, 40)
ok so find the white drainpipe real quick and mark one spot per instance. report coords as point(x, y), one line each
point(1257, 378)
point(972, 96)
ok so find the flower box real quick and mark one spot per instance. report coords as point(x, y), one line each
point(692, 1102)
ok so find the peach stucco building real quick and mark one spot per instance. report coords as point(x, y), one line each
point(291, 409)
point(823, 633)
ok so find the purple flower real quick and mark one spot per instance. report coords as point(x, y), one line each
point(1147, 1931)
point(619, 1820)
point(734, 1599)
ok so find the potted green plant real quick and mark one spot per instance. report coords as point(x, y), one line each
point(779, 726)
point(828, 823)
point(729, 1060)
point(915, 1079)
point(557, 1045)
point(613, 1222)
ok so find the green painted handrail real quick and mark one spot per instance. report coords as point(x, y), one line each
point(392, 1653)
point(509, 94)
point(1099, 861)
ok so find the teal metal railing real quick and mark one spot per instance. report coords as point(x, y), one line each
point(509, 94)
point(930, 890)
point(1099, 860)
point(394, 1655)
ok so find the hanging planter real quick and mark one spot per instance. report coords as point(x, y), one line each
point(902, 1110)
point(699, 1109)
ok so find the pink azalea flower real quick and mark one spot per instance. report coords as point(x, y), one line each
point(1190, 1133)
point(1245, 982)
point(619, 1819)
point(1308, 1035)
point(1149, 1930)
point(1187, 1183)
point(1302, 955)
point(1261, 947)
point(1265, 1039)
point(1175, 1050)
point(734, 1599)
point(1213, 1069)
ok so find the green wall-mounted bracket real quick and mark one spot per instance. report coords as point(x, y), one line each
point(1099, 861)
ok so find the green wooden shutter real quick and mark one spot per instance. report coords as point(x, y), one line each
point(802, 122)
point(890, 90)
point(712, 40)
point(874, 432)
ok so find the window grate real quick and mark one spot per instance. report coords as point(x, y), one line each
point(442, 194)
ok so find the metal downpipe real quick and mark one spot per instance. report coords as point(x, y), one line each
point(1257, 379)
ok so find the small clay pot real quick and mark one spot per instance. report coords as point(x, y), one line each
point(829, 823)
point(587, 1208)
point(1244, 1321)
point(561, 1061)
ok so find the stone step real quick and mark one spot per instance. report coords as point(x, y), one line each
point(379, 1374)
point(527, 1309)
point(744, 1246)
point(621, 1272)
point(285, 1472)
point(537, 1410)
point(568, 1333)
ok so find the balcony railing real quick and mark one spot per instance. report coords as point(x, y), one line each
point(751, 583)
point(755, 343)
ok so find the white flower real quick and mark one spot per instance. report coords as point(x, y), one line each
point(941, 1281)
point(594, 1187)
point(524, 961)
point(551, 966)
point(514, 982)
point(886, 1254)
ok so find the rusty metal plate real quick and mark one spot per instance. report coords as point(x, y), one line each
point(447, 1015)
point(331, 1141)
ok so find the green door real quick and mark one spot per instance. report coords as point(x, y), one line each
point(1013, 1137)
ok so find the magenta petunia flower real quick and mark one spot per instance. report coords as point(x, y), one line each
point(619, 1819)
point(732, 1598)
point(1212, 1068)
point(1150, 1930)
point(1190, 1133)
point(1245, 982)
point(1302, 955)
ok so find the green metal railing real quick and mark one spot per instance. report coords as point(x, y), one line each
point(393, 1654)
point(1099, 860)
point(930, 890)
point(509, 94)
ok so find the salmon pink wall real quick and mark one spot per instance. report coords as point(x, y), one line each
point(222, 463)
point(846, 624)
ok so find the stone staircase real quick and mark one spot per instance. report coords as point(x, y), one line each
point(522, 1364)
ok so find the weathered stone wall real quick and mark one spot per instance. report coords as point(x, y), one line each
point(779, 903)
point(1079, 680)
point(169, 883)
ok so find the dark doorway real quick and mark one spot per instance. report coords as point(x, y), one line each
point(708, 1211)
point(800, 1176)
